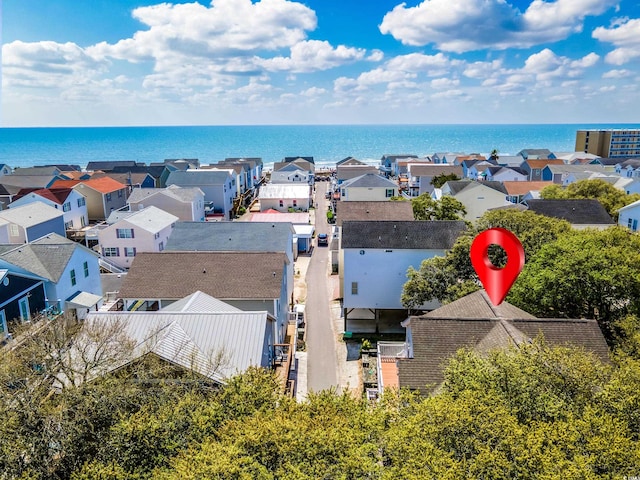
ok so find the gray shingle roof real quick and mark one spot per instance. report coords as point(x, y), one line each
point(458, 185)
point(223, 275)
point(415, 235)
point(198, 177)
point(576, 211)
point(477, 305)
point(436, 338)
point(435, 170)
point(46, 257)
point(230, 236)
point(31, 214)
point(369, 180)
point(381, 210)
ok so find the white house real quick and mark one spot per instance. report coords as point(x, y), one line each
point(477, 197)
point(369, 187)
point(292, 173)
point(218, 185)
point(72, 203)
point(421, 176)
point(146, 230)
point(184, 202)
point(629, 216)
point(373, 268)
point(283, 196)
point(505, 174)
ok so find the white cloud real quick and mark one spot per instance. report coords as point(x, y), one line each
point(375, 56)
point(608, 88)
point(622, 73)
point(465, 25)
point(442, 83)
point(625, 35)
point(546, 65)
point(312, 55)
point(48, 64)
point(382, 75)
point(313, 92)
point(450, 94)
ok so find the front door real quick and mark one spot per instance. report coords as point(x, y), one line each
point(25, 314)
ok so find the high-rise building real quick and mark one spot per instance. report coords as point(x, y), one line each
point(614, 143)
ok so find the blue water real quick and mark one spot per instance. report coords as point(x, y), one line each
point(21, 147)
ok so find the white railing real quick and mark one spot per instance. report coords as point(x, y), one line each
point(393, 349)
point(110, 266)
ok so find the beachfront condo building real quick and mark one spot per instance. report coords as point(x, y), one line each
point(614, 143)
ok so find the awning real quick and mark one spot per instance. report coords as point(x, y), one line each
point(83, 300)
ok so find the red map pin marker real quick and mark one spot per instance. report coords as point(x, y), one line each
point(497, 281)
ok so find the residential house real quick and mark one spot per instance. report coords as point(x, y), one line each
point(72, 203)
point(218, 186)
point(477, 197)
point(368, 187)
point(103, 195)
point(29, 222)
point(292, 173)
point(349, 161)
point(250, 281)
point(184, 202)
point(27, 181)
point(130, 179)
point(534, 167)
point(22, 297)
point(580, 213)
point(576, 158)
point(558, 173)
point(241, 172)
point(284, 196)
point(375, 211)
point(421, 176)
point(388, 160)
point(347, 171)
point(304, 230)
point(110, 165)
point(477, 171)
point(205, 335)
point(254, 175)
point(401, 166)
point(466, 167)
point(516, 191)
point(155, 171)
point(146, 230)
point(505, 174)
point(7, 194)
point(447, 157)
point(629, 216)
point(613, 179)
point(69, 273)
point(628, 168)
point(472, 322)
point(509, 160)
point(536, 154)
point(5, 169)
point(236, 237)
point(628, 185)
point(374, 263)
point(461, 157)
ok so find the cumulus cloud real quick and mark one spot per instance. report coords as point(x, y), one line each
point(466, 25)
point(625, 35)
point(48, 64)
point(442, 83)
point(546, 65)
point(622, 73)
point(311, 55)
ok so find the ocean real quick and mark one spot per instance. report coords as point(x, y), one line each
point(22, 147)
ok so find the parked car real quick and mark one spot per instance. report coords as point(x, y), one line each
point(323, 239)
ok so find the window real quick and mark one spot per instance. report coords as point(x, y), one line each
point(129, 251)
point(13, 228)
point(635, 225)
point(295, 203)
point(108, 197)
point(389, 192)
point(73, 277)
point(157, 235)
point(66, 207)
point(85, 267)
point(160, 246)
point(111, 252)
point(83, 222)
point(119, 193)
point(68, 225)
point(124, 233)
point(354, 288)
point(82, 202)
point(281, 203)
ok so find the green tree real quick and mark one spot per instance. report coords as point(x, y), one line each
point(611, 198)
point(587, 273)
point(451, 277)
point(439, 180)
point(447, 208)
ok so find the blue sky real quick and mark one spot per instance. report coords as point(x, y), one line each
point(141, 62)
